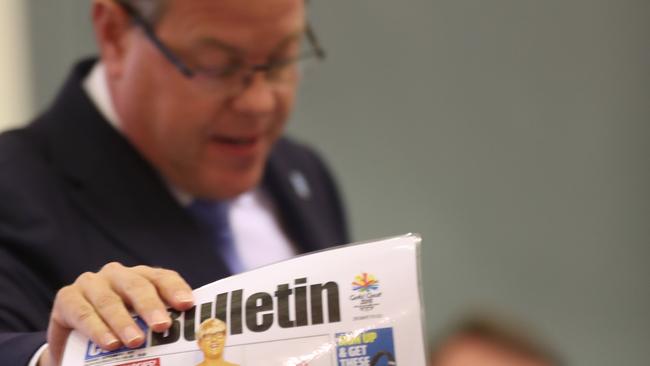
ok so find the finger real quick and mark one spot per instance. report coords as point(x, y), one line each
point(72, 311)
point(47, 358)
point(110, 308)
point(171, 286)
point(140, 293)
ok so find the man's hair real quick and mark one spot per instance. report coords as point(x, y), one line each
point(503, 333)
point(150, 10)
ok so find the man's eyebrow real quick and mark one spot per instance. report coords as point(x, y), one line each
point(215, 42)
point(288, 39)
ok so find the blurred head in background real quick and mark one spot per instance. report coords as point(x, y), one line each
point(485, 340)
point(202, 88)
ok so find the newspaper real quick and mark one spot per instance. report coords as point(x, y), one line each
point(355, 305)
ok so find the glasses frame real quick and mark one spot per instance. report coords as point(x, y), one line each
point(187, 71)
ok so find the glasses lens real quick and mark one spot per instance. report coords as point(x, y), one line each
point(217, 71)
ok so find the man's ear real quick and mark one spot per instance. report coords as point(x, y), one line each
point(112, 27)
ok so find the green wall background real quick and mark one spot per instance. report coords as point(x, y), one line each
point(513, 134)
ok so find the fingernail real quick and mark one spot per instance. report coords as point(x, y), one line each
point(159, 318)
point(131, 334)
point(109, 340)
point(184, 297)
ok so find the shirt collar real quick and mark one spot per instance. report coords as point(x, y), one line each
point(96, 87)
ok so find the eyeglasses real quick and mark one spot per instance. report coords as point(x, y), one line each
point(235, 74)
point(217, 335)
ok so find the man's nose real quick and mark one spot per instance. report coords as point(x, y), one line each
point(257, 97)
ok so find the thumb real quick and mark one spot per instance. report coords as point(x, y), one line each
point(57, 335)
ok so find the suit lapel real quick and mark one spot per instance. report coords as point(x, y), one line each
point(293, 191)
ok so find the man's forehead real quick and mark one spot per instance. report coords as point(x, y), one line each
point(237, 11)
point(237, 23)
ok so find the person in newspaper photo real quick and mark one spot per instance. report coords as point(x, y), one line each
point(211, 338)
point(161, 166)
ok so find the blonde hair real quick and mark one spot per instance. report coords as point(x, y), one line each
point(210, 326)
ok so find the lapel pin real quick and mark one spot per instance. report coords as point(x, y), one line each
point(300, 185)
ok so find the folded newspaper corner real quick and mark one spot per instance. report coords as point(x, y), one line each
point(354, 305)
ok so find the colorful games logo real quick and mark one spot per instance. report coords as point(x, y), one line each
point(366, 292)
point(365, 282)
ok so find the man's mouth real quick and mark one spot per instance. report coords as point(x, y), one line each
point(236, 140)
point(237, 145)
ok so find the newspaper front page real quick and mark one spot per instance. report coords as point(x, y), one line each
point(355, 305)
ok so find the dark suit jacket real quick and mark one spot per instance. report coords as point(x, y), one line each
point(75, 195)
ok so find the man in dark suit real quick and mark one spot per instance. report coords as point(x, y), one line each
point(99, 195)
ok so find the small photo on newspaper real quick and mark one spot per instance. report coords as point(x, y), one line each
point(354, 305)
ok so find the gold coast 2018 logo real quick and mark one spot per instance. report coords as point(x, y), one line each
point(366, 291)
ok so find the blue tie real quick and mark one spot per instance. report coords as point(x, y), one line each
point(213, 216)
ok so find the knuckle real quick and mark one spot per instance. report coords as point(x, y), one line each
point(142, 268)
point(82, 313)
point(172, 273)
point(107, 300)
point(136, 285)
point(86, 278)
point(64, 294)
point(112, 266)
point(165, 275)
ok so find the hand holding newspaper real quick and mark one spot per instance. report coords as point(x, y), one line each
point(355, 305)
